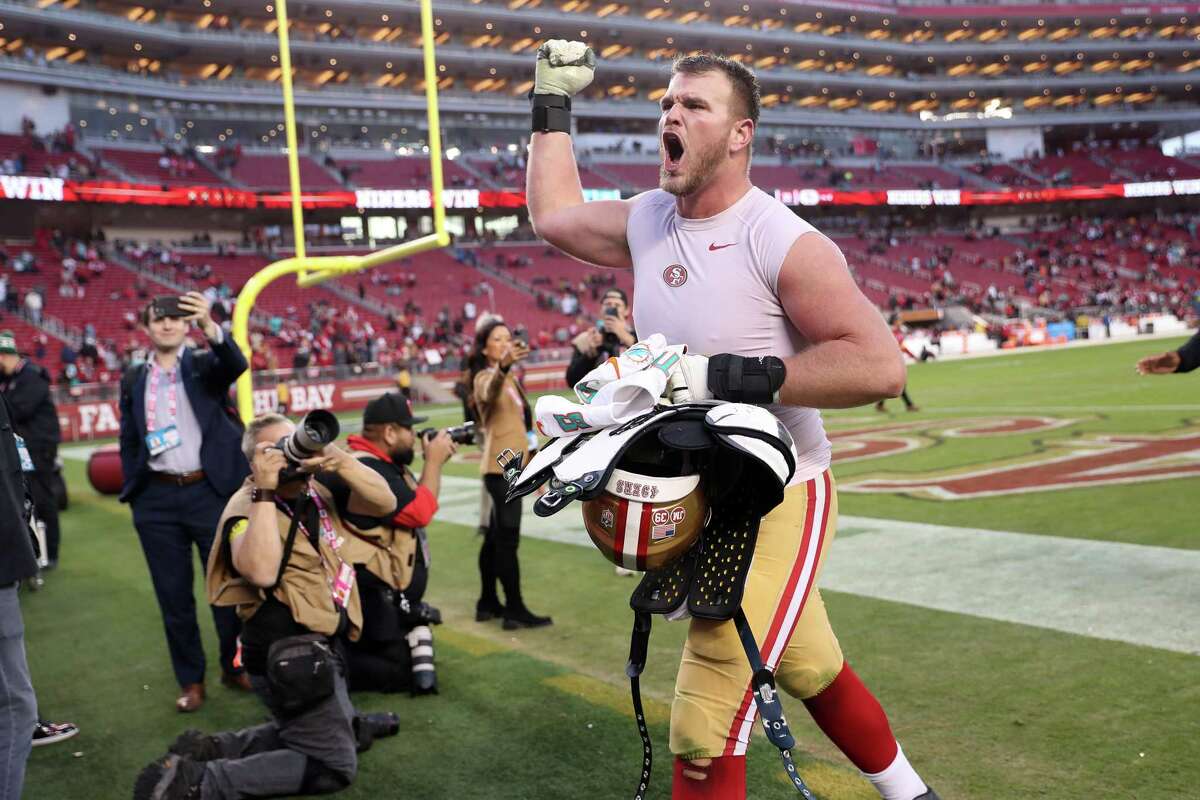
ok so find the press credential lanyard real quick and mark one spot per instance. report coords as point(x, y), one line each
point(340, 586)
point(152, 400)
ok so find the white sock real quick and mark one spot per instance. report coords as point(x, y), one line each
point(899, 781)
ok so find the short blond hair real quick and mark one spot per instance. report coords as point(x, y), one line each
point(257, 426)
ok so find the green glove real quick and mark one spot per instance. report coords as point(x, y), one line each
point(563, 68)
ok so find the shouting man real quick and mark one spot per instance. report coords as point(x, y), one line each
point(721, 266)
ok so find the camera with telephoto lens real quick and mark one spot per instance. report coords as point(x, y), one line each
point(459, 434)
point(315, 431)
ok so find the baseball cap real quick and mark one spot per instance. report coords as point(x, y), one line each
point(391, 407)
point(8, 343)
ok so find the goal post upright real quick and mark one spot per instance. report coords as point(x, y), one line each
point(311, 271)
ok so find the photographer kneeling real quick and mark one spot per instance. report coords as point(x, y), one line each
point(278, 559)
point(390, 553)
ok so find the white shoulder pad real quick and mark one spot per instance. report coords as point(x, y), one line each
point(756, 432)
point(599, 452)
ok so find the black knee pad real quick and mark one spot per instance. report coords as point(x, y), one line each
point(321, 779)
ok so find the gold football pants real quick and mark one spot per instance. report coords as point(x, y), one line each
point(713, 712)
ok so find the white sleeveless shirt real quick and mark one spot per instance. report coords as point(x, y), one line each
point(713, 284)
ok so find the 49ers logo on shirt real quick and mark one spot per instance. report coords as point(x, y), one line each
point(675, 275)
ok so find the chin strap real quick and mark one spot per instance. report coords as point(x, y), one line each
point(639, 644)
point(770, 709)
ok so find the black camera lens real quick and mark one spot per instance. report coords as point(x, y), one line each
point(315, 431)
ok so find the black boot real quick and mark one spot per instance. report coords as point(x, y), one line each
point(525, 618)
point(488, 609)
point(170, 778)
point(369, 727)
point(195, 745)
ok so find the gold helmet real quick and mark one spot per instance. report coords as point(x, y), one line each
point(645, 521)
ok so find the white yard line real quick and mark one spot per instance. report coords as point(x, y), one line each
point(1106, 590)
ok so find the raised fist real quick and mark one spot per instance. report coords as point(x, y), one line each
point(564, 68)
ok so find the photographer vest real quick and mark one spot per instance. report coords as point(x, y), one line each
point(304, 584)
point(389, 553)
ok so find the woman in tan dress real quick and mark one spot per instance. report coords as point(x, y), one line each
point(506, 419)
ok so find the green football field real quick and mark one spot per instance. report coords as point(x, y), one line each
point(1026, 641)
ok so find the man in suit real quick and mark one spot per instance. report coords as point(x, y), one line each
point(181, 458)
point(26, 386)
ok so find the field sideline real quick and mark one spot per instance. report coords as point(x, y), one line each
point(991, 699)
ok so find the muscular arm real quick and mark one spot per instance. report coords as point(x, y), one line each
point(852, 358)
point(258, 552)
point(592, 232)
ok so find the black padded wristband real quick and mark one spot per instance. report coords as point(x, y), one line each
point(551, 112)
point(739, 379)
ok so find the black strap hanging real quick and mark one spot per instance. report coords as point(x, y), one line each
point(770, 709)
point(639, 643)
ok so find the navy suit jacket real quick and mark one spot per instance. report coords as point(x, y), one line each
point(206, 378)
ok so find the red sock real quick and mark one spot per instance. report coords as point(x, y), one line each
point(726, 780)
point(853, 720)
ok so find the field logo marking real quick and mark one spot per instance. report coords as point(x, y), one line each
point(893, 438)
point(1091, 460)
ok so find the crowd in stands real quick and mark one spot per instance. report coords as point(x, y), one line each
point(1127, 264)
point(1094, 264)
point(51, 156)
point(1133, 264)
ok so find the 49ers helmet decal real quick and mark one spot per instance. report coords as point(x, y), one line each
point(648, 486)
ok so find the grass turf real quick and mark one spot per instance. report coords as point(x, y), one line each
point(985, 709)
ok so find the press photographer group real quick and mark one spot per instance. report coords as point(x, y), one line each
point(323, 556)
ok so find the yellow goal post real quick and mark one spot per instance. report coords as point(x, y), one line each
point(311, 270)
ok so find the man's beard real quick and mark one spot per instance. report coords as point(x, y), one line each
point(403, 458)
point(694, 175)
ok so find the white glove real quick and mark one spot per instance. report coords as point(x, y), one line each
point(688, 381)
point(563, 67)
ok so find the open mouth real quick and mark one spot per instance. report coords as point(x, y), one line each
point(672, 146)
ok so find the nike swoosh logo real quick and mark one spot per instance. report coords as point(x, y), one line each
point(714, 246)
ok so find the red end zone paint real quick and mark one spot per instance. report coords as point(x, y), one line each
point(1091, 460)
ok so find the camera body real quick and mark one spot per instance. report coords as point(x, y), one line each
point(316, 430)
point(459, 434)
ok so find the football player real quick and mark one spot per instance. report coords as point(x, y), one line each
point(722, 266)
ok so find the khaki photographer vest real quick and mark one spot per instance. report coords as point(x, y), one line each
point(304, 585)
point(388, 553)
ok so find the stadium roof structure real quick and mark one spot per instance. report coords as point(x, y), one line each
point(855, 65)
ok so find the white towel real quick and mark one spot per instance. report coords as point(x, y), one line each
point(615, 392)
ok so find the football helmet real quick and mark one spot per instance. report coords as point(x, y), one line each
point(652, 509)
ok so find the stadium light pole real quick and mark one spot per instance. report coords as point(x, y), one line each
point(313, 270)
